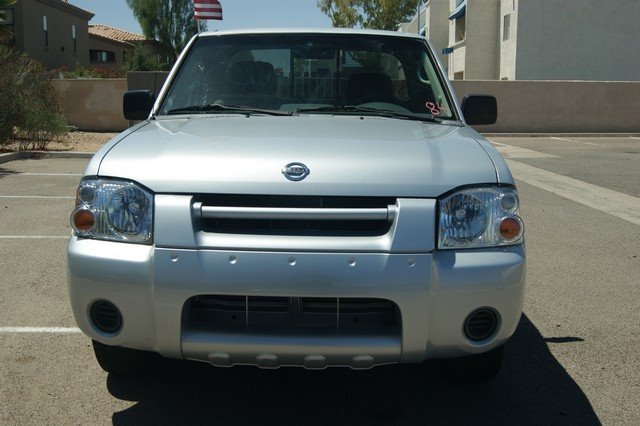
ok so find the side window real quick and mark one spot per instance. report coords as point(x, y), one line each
point(75, 40)
point(45, 30)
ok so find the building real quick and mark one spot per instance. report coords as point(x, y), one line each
point(54, 32)
point(474, 48)
point(536, 39)
point(57, 34)
point(108, 46)
point(433, 24)
point(570, 40)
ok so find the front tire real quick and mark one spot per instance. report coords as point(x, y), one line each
point(121, 361)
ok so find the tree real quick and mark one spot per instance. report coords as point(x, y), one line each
point(373, 14)
point(142, 58)
point(171, 22)
point(4, 31)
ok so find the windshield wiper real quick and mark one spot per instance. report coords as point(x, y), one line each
point(226, 108)
point(375, 111)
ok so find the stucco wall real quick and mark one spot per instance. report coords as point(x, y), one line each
point(93, 104)
point(579, 40)
point(146, 80)
point(523, 106)
point(560, 106)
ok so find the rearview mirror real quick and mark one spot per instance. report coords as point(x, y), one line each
point(137, 104)
point(480, 109)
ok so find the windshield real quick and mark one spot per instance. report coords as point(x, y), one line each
point(309, 74)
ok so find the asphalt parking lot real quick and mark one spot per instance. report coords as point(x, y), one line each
point(574, 359)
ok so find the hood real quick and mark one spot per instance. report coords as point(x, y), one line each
point(346, 156)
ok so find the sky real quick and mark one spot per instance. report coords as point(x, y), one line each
point(237, 14)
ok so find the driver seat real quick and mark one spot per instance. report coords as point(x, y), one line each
point(373, 86)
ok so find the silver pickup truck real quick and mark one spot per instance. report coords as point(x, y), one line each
point(310, 198)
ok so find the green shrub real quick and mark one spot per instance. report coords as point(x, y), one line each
point(30, 111)
point(96, 72)
point(143, 58)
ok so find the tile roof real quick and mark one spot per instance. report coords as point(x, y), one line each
point(115, 34)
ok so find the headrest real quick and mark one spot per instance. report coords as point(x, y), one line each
point(251, 77)
point(362, 84)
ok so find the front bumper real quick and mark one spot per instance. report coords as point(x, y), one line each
point(434, 293)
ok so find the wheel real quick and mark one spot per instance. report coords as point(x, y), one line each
point(478, 368)
point(122, 361)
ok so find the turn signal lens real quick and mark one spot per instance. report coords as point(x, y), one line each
point(510, 229)
point(83, 221)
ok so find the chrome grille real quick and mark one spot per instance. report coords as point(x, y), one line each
point(295, 215)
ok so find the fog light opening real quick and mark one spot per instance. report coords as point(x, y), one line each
point(106, 317)
point(481, 324)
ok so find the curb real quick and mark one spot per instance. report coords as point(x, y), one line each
point(11, 156)
point(20, 155)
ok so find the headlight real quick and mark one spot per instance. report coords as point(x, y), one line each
point(113, 210)
point(480, 217)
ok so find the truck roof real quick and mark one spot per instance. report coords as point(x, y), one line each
point(308, 31)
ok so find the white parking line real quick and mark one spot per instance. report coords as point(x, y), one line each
point(39, 197)
point(33, 237)
point(59, 330)
point(39, 174)
point(574, 141)
point(615, 203)
point(510, 151)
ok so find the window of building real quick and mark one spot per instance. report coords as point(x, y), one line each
point(75, 40)
point(8, 17)
point(460, 28)
point(45, 29)
point(506, 23)
point(102, 56)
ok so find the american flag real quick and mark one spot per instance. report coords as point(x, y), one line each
point(208, 9)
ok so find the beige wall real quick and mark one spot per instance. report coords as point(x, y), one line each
point(30, 35)
point(560, 106)
point(523, 106)
point(93, 104)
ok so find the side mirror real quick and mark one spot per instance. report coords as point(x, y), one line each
point(480, 109)
point(137, 104)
